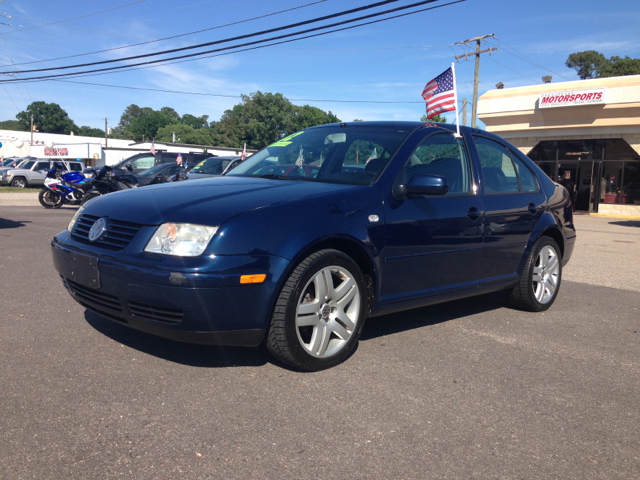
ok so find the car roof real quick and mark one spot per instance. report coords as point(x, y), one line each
point(410, 125)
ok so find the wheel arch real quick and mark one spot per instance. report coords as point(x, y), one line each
point(26, 180)
point(349, 246)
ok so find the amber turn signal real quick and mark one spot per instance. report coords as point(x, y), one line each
point(253, 278)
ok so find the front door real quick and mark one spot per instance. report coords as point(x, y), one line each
point(433, 243)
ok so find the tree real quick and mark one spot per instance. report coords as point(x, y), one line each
point(130, 113)
point(48, 117)
point(437, 119)
point(89, 132)
point(146, 126)
point(592, 64)
point(170, 114)
point(307, 116)
point(184, 134)
point(13, 125)
point(587, 64)
point(263, 118)
point(195, 122)
point(618, 67)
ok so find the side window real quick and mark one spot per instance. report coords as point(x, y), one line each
point(498, 170)
point(74, 167)
point(42, 166)
point(527, 178)
point(144, 162)
point(443, 155)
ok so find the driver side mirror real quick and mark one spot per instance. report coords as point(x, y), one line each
point(128, 166)
point(424, 185)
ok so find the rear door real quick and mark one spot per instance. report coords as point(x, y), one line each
point(513, 203)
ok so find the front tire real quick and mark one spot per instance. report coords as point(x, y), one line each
point(320, 312)
point(541, 277)
point(49, 199)
point(19, 182)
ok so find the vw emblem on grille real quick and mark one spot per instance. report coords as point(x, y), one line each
point(97, 229)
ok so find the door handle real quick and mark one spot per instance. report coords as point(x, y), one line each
point(533, 209)
point(474, 213)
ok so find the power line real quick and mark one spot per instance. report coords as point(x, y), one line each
point(522, 56)
point(224, 40)
point(176, 36)
point(519, 73)
point(166, 61)
point(224, 96)
point(74, 18)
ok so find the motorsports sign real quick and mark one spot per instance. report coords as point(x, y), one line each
point(573, 98)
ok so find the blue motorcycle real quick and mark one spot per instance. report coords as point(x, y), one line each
point(63, 188)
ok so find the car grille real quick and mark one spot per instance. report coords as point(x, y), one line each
point(102, 303)
point(117, 236)
point(155, 313)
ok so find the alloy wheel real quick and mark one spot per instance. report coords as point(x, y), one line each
point(546, 273)
point(328, 311)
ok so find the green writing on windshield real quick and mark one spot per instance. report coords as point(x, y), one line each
point(285, 141)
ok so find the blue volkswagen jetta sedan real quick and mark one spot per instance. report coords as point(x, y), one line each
point(399, 215)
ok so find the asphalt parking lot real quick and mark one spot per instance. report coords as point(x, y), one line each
point(470, 389)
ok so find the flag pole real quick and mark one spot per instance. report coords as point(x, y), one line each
point(455, 99)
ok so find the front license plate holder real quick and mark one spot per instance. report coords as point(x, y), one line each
point(84, 270)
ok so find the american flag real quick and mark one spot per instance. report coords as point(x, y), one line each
point(300, 159)
point(244, 153)
point(153, 147)
point(439, 94)
point(179, 159)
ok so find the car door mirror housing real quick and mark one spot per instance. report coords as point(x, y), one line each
point(424, 185)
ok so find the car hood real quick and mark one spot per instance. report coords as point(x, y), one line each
point(207, 201)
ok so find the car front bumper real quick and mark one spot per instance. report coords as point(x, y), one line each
point(204, 308)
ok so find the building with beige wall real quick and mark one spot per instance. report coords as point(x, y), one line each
point(585, 134)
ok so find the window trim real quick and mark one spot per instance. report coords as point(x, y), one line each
point(509, 151)
point(469, 162)
point(535, 177)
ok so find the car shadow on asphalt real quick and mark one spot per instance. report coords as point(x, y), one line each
point(627, 223)
point(6, 223)
point(205, 356)
point(432, 315)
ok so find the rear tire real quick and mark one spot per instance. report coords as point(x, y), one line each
point(320, 312)
point(19, 182)
point(49, 199)
point(539, 283)
point(87, 197)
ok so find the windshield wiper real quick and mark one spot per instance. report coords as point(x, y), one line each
point(281, 177)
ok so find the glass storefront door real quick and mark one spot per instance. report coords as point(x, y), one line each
point(576, 178)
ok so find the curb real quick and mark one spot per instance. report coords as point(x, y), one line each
point(615, 215)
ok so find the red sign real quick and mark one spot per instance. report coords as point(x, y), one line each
point(56, 152)
point(573, 98)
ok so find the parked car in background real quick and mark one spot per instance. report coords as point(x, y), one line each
point(19, 163)
point(144, 161)
point(32, 173)
point(309, 171)
point(299, 263)
point(213, 167)
point(160, 172)
point(8, 162)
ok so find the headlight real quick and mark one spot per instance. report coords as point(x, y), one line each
point(180, 239)
point(75, 217)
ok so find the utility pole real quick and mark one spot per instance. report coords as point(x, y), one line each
point(105, 133)
point(464, 112)
point(31, 130)
point(478, 40)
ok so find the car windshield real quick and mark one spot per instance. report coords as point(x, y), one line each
point(152, 171)
point(352, 154)
point(210, 166)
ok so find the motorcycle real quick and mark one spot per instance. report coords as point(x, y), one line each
point(62, 188)
point(106, 181)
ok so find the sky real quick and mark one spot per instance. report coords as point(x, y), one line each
point(389, 61)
